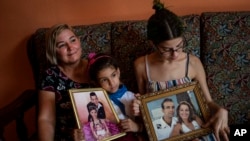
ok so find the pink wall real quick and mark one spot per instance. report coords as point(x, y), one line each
point(19, 19)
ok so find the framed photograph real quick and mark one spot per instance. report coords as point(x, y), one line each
point(95, 114)
point(176, 114)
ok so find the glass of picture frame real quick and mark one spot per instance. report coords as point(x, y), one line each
point(154, 108)
point(95, 115)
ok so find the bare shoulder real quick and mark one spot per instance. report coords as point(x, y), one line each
point(196, 68)
point(195, 62)
point(194, 59)
point(140, 60)
point(140, 73)
point(139, 63)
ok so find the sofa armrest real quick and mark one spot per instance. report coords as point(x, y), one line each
point(15, 112)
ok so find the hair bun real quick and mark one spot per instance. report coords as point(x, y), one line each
point(158, 6)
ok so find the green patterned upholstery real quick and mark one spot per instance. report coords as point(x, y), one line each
point(225, 51)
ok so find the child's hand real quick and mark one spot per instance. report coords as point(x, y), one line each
point(135, 106)
point(129, 125)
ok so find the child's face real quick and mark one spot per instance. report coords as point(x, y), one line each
point(93, 113)
point(109, 79)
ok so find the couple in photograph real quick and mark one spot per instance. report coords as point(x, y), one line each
point(186, 120)
point(98, 128)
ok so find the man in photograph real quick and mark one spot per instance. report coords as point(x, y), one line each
point(99, 106)
point(164, 125)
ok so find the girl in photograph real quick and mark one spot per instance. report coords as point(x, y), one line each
point(98, 126)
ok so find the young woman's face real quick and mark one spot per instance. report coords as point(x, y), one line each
point(171, 49)
point(68, 47)
point(184, 111)
point(93, 113)
point(109, 79)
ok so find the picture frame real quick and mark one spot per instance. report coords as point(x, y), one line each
point(153, 111)
point(95, 114)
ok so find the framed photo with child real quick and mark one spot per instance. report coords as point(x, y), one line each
point(176, 114)
point(95, 114)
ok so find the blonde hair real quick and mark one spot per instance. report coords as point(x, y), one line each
point(51, 36)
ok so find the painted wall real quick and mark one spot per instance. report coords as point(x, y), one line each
point(19, 19)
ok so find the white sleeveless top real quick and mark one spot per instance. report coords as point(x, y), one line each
point(185, 129)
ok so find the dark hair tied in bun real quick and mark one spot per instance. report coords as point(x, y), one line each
point(158, 5)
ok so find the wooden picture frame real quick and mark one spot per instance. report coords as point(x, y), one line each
point(97, 120)
point(152, 112)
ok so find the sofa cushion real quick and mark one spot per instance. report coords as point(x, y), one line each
point(192, 33)
point(94, 38)
point(225, 53)
point(129, 41)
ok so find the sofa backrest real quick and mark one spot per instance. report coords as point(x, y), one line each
point(225, 54)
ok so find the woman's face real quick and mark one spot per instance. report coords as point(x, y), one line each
point(68, 47)
point(184, 111)
point(93, 113)
point(109, 79)
point(170, 49)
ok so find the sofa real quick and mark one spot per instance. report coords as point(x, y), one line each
point(220, 39)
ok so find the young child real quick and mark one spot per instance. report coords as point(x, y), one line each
point(98, 126)
point(104, 72)
point(97, 129)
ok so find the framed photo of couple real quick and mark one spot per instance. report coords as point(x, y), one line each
point(176, 114)
point(95, 114)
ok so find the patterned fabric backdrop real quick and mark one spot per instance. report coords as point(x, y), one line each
point(225, 48)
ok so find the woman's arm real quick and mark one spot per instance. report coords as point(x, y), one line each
point(46, 115)
point(176, 130)
point(105, 125)
point(219, 120)
point(198, 120)
point(92, 129)
point(139, 69)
